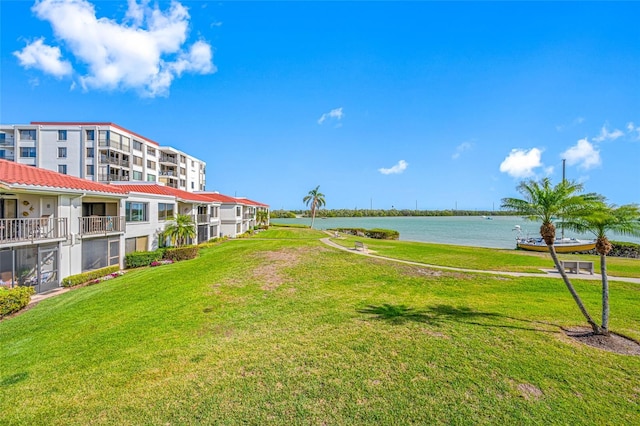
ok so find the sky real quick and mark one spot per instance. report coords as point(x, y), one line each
point(428, 105)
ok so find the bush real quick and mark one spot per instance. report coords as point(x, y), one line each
point(180, 253)
point(142, 258)
point(377, 233)
point(14, 299)
point(74, 280)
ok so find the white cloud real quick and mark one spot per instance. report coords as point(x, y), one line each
point(605, 134)
point(520, 163)
point(583, 154)
point(45, 58)
point(397, 169)
point(335, 114)
point(631, 128)
point(145, 52)
point(464, 146)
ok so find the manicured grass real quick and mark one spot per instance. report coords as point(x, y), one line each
point(290, 232)
point(484, 258)
point(288, 331)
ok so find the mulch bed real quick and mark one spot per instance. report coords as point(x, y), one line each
point(612, 343)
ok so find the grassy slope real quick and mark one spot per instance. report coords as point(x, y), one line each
point(311, 335)
point(485, 258)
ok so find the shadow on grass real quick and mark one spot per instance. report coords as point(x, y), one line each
point(13, 379)
point(439, 314)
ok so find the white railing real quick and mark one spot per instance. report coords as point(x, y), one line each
point(90, 225)
point(19, 230)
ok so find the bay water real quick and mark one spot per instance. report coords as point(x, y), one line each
point(475, 231)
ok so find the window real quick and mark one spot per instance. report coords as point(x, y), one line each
point(62, 152)
point(193, 163)
point(125, 144)
point(137, 175)
point(28, 135)
point(137, 145)
point(183, 182)
point(62, 168)
point(135, 211)
point(183, 159)
point(192, 185)
point(151, 178)
point(165, 211)
point(3, 153)
point(151, 164)
point(137, 160)
point(136, 244)
point(62, 135)
point(27, 152)
point(183, 171)
point(90, 153)
point(90, 169)
point(91, 135)
point(238, 211)
point(103, 136)
point(151, 151)
point(99, 253)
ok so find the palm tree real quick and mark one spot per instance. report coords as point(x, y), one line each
point(262, 217)
point(543, 201)
point(599, 220)
point(180, 230)
point(316, 199)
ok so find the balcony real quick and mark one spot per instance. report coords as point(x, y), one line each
point(112, 178)
point(30, 230)
point(7, 142)
point(114, 161)
point(204, 218)
point(169, 173)
point(168, 159)
point(102, 225)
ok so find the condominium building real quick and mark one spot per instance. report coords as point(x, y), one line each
point(100, 152)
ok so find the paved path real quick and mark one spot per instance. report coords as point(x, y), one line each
point(551, 273)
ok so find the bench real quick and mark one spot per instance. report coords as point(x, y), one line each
point(360, 246)
point(574, 266)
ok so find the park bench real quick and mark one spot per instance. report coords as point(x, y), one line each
point(360, 246)
point(574, 266)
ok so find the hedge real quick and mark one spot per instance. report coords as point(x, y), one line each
point(180, 253)
point(14, 299)
point(377, 233)
point(142, 258)
point(74, 280)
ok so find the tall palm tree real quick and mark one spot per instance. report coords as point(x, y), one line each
point(599, 220)
point(315, 199)
point(180, 230)
point(262, 217)
point(543, 201)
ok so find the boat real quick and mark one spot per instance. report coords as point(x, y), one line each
point(562, 245)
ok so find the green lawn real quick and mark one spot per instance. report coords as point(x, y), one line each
point(288, 331)
point(485, 258)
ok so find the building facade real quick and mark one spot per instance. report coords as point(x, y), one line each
point(100, 152)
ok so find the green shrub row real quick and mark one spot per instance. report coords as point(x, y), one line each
point(181, 253)
point(138, 259)
point(74, 280)
point(377, 233)
point(14, 299)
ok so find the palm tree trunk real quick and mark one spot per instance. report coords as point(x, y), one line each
point(605, 294)
point(313, 216)
point(576, 298)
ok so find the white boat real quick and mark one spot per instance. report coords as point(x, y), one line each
point(562, 245)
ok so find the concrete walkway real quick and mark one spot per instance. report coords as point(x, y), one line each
point(547, 273)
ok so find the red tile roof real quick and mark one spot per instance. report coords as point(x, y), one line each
point(163, 190)
point(215, 196)
point(90, 123)
point(14, 174)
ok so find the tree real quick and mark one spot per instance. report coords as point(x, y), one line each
point(262, 217)
point(598, 220)
point(315, 199)
point(543, 201)
point(180, 229)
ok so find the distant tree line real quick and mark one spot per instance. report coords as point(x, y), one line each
point(285, 214)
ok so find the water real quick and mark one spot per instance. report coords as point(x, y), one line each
point(473, 231)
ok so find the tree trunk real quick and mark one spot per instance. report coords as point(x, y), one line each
point(313, 217)
point(576, 298)
point(605, 294)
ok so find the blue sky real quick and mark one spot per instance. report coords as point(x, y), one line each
point(441, 105)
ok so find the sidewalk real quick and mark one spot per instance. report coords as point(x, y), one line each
point(547, 273)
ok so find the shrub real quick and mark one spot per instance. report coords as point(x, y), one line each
point(74, 280)
point(142, 258)
point(14, 299)
point(181, 253)
point(377, 233)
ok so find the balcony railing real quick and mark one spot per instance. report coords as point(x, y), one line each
point(112, 178)
point(7, 142)
point(168, 173)
point(203, 218)
point(21, 230)
point(91, 225)
point(114, 161)
point(167, 159)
